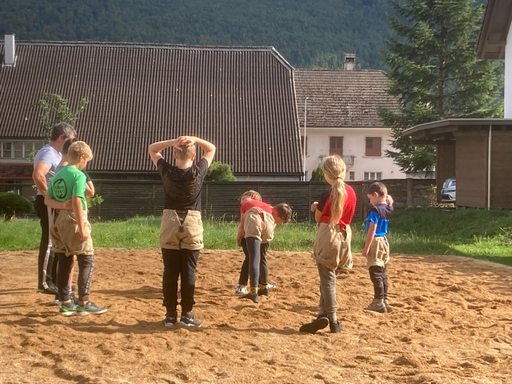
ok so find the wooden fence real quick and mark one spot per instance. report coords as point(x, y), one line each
point(123, 198)
point(128, 198)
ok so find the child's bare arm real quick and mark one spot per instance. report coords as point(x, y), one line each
point(369, 237)
point(52, 203)
point(241, 232)
point(76, 202)
point(155, 149)
point(89, 189)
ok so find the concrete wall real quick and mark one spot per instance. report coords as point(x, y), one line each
point(508, 76)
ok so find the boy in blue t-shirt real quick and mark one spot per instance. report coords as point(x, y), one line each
point(376, 246)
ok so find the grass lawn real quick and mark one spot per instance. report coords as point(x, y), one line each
point(476, 233)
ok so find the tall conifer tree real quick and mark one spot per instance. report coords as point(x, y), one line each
point(435, 74)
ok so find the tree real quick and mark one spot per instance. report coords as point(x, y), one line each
point(56, 110)
point(435, 74)
point(317, 174)
point(219, 171)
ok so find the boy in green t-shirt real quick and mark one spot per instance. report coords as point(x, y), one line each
point(71, 231)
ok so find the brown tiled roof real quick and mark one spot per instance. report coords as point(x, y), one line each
point(240, 98)
point(341, 98)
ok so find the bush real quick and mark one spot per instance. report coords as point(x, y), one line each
point(220, 171)
point(11, 204)
point(317, 174)
point(94, 201)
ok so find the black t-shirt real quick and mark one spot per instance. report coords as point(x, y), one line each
point(87, 177)
point(182, 187)
point(323, 199)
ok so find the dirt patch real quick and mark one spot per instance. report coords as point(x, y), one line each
point(451, 323)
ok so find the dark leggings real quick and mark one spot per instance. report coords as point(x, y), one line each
point(244, 271)
point(179, 262)
point(85, 269)
point(46, 259)
point(380, 282)
point(254, 251)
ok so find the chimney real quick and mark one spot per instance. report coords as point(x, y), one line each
point(350, 61)
point(9, 51)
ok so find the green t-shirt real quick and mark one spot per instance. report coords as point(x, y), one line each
point(66, 183)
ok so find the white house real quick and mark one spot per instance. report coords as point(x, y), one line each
point(492, 42)
point(338, 115)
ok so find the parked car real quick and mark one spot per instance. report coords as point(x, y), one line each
point(448, 190)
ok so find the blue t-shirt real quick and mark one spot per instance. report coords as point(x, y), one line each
point(380, 215)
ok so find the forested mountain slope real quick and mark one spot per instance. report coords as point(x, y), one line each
point(309, 33)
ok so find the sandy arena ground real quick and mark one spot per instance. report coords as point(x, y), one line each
point(451, 323)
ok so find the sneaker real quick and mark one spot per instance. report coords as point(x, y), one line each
point(189, 320)
point(250, 296)
point(319, 323)
point(73, 298)
point(68, 309)
point(57, 301)
point(51, 290)
point(241, 289)
point(376, 308)
point(171, 319)
point(335, 326)
point(264, 292)
point(89, 308)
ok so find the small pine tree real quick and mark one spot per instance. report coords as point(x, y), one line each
point(317, 174)
point(219, 171)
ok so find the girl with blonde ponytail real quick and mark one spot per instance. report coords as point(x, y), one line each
point(331, 251)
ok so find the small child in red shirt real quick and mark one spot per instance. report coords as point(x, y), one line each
point(257, 224)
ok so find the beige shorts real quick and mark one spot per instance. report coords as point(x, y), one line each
point(332, 247)
point(175, 235)
point(65, 236)
point(258, 226)
point(378, 252)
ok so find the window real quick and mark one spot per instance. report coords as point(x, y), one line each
point(373, 175)
point(336, 146)
point(373, 145)
point(18, 150)
point(352, 176)
point(6, 150)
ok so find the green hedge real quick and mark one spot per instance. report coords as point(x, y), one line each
point(11, 204)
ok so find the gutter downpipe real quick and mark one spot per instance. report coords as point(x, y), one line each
point(489, 169)
point(305, 137)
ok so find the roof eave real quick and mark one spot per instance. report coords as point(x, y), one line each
point(421, 131)
point(494, 30)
